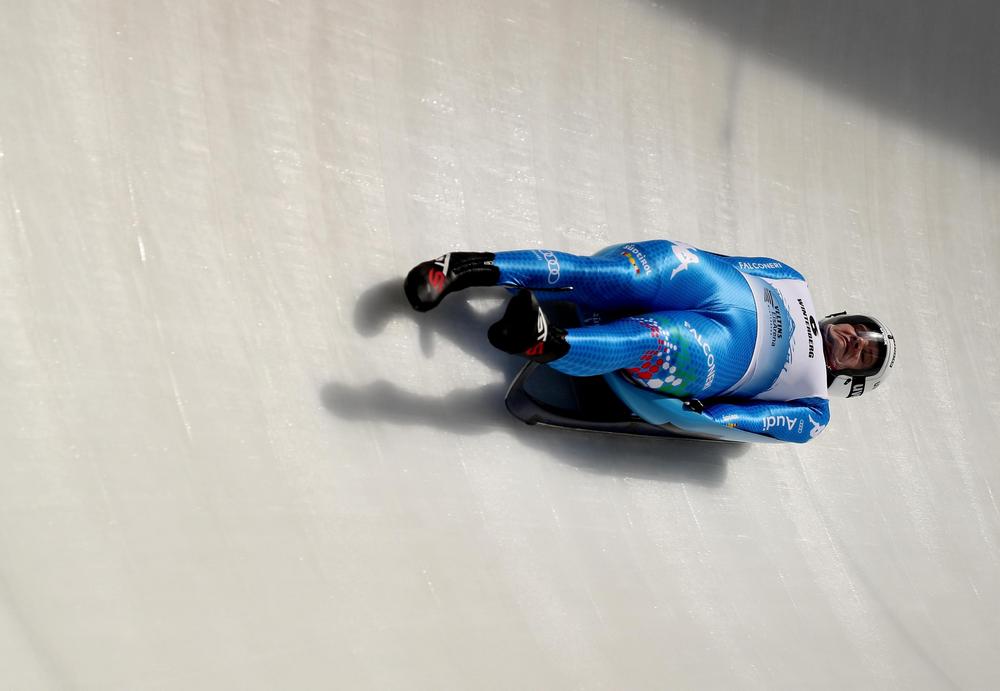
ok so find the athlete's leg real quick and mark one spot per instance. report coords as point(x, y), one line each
point(571, 277)
point(604, 282)
point(634, 277)
point(680, 353)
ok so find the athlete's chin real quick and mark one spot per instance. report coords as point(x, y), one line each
point(834, 360)
point(831, 356)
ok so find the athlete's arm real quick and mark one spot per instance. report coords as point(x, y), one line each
point(795, 421)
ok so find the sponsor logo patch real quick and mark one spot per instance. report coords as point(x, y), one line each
point(811, 329)
point(749, 266)
point(709, 356)
point(552, 261)
point(774, 315)
point(636, 258)
point(686, 256)
point(816, 428)
point(785, 421)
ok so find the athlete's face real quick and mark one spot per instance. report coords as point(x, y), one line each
point(846, 347)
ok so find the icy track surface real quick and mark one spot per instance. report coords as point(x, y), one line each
point(232, 458)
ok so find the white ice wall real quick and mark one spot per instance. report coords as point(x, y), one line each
point(234, 459)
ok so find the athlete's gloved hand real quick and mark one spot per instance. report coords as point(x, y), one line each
point(525, 330)
point(428, 282)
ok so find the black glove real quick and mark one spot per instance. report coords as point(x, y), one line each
point(428, 282)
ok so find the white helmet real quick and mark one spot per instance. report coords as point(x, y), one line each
point(849, 383)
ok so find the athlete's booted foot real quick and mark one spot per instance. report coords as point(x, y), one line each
point(524, 330)
point(429, 282)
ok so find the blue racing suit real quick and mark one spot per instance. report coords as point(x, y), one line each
point(737, 333)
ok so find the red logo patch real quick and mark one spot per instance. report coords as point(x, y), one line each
point(436, 279)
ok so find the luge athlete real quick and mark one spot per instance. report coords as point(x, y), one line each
point(737, 337)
